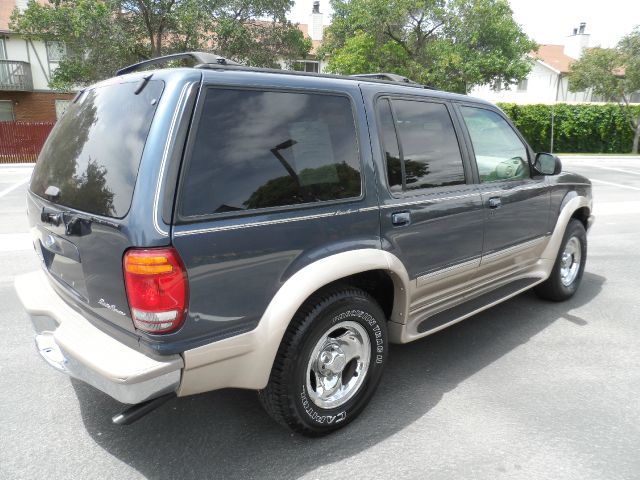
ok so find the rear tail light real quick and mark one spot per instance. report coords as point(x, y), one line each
point(157, 290)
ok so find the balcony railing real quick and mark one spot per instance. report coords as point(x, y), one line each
point(15, 76)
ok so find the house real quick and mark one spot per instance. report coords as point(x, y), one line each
point(314, 30)
point(548, 80)
point(25, 70)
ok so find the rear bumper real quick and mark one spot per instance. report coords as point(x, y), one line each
point(71, 344)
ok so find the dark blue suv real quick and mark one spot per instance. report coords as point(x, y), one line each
point(222, 226)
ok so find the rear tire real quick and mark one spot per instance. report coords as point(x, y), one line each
point(567, 271)
point(329, 363)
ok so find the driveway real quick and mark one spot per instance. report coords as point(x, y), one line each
point(526, 390)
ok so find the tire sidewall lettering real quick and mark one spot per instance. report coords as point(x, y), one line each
point(377, 340)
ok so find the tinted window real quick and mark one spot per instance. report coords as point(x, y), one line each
point(500, 154)
point(429, 148)
point(256, 149)
point(94, 151)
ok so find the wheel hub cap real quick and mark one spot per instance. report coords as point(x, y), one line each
point(338, 365)
point(570, 261)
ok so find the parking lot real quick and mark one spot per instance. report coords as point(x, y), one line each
point(527, 390)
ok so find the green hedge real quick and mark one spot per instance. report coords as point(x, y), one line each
point(577, 128)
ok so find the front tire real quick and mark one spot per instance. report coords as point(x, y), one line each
point(329, 363)
point(567, 271)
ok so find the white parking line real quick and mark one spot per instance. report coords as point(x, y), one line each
point(632, 172)
point(619, 185)
point(13, 187)
point(616, 208)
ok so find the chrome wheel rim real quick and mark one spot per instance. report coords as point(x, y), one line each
point(570, 261)
point(338, 365)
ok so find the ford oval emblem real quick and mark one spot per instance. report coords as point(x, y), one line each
point(49, 241)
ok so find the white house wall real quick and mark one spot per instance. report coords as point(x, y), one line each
point(34, 53)
point(541, 88)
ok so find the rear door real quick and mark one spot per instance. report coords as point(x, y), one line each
point(274, 178)
point(431, 211)
point(516, 202)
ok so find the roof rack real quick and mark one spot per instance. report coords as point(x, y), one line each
point(388, 78)
point(197, 57)
point(210, 61)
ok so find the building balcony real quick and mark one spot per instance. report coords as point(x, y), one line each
point(15, 76)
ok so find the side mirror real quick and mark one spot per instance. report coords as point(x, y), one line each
point(547, 164)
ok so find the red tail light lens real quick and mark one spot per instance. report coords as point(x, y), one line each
point(156, 283)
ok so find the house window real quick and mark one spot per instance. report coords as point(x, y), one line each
point(56, 51)
point(61, 107)
point(3, 49)
point(22, 5)
point(6, 111)
point(522, 85)
point(306, 66)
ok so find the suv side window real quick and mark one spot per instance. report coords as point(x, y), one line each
point(426, 153)
point(500, 154)
point(259, 149)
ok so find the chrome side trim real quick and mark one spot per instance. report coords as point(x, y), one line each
point(429, 200)
point(542, 185)
point(520, 247)
point(165, 156)
point(452, 270)
point(273, 222)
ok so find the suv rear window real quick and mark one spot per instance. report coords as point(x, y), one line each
point(94, 151)
point(259, 149)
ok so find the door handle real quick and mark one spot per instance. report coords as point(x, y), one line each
point(401, 218)
point(495, 202)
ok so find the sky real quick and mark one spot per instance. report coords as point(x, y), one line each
point(546, 21)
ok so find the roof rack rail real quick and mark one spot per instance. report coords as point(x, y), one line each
point(391, 77)
point(197, 57)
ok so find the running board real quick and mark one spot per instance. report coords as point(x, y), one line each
point(475, 305)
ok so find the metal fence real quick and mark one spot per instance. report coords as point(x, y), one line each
point(21, 142)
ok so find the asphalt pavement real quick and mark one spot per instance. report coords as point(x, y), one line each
point(526, 390)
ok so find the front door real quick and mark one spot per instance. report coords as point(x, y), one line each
point(516, 203)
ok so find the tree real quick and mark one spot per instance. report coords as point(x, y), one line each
point(614, 74)
point(103, 35)
point(450, 44)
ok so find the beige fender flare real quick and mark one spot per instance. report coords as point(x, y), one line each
point(553, 246)
point(245, 361)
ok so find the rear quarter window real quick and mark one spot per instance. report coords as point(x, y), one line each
point(261, 149)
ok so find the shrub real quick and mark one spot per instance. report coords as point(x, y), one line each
point(577, 128)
